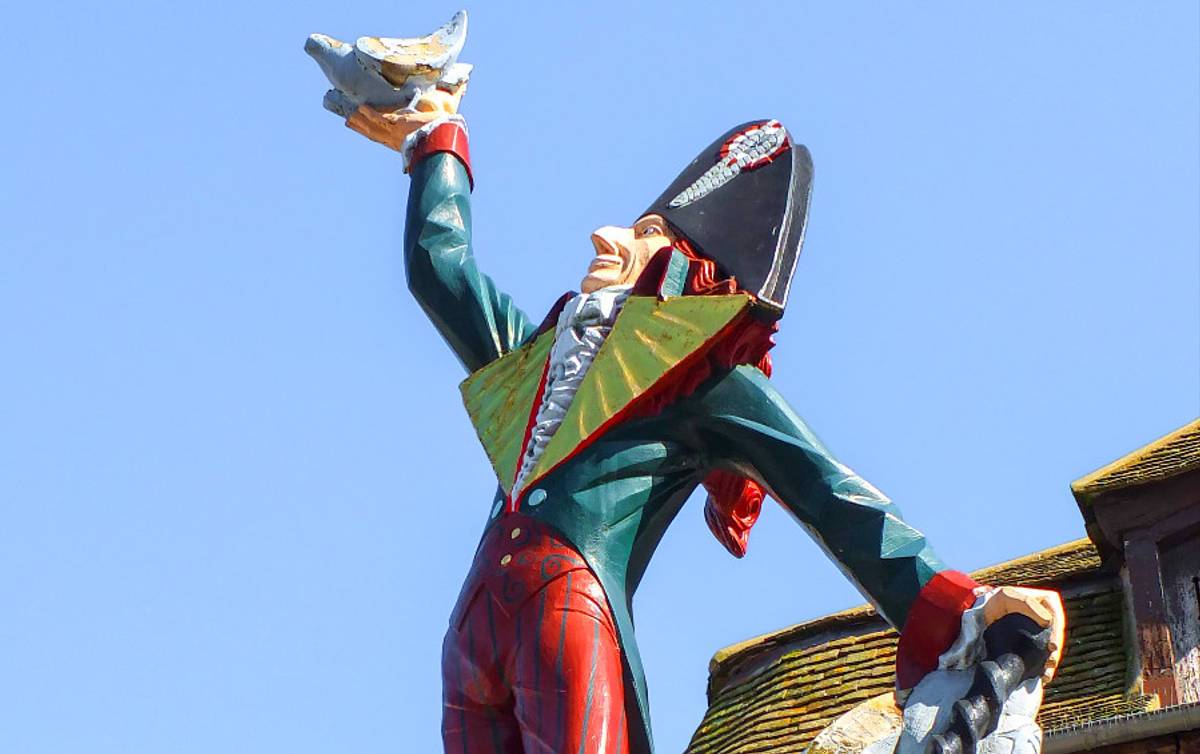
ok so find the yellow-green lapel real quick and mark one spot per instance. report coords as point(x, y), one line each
point(649, 340)
point(500, 398)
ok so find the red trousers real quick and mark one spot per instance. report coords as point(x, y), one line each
point(531, 663)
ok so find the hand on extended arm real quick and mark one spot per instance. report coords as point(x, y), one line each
point(1042, 606)
point(392, 128)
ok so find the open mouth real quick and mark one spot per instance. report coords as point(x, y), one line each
point(606, 255)
point(605, 260)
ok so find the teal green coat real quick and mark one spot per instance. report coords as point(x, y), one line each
point(615, 498)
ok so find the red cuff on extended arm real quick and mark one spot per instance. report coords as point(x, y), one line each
point(933, 623)
point(448, 137)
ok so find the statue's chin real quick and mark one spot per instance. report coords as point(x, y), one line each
point(593, 283)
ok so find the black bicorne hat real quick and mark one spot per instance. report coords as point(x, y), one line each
point(743, 203)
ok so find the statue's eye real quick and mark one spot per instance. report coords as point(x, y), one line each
point(651, 230)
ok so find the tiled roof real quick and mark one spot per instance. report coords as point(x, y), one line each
point(775, 693)
point(1164, 458)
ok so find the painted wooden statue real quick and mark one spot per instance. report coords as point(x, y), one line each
point(603, 416)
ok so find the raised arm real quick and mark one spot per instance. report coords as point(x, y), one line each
point(745, 425)
point(479, 322)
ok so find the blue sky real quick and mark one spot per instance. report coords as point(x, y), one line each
point(237, 489)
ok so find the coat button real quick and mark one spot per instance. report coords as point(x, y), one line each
point(515, 533)
point(506, 560)
point(537, 497)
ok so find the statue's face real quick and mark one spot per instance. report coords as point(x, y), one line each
point(622, 253)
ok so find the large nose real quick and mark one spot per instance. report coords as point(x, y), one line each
point(610, 239)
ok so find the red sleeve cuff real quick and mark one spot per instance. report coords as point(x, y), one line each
point(448, 137)
point(933, 623)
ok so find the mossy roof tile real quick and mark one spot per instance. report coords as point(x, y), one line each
point(1164, 458)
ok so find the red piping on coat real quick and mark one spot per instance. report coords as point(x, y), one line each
point(514, 503)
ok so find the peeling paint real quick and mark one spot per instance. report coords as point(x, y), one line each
point(390, 73)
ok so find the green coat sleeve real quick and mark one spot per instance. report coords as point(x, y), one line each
point(745, 425)
point(478, 321)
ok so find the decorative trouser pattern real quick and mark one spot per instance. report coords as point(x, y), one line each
point(531, 663)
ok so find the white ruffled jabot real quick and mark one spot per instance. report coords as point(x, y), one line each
point(582, 327)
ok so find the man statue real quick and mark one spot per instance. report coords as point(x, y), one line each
point(602, 418)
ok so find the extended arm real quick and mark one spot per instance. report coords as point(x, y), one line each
point(745, 425)
point(748, 427)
